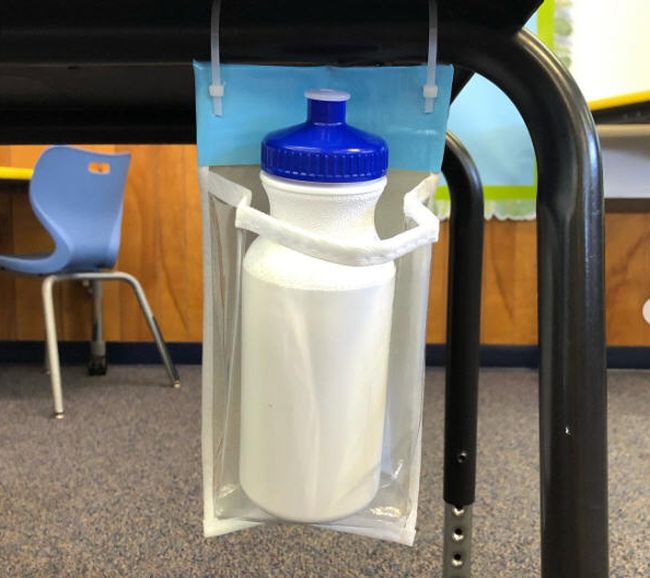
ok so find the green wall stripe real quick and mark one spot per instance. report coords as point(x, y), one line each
point(546, 23)
point(496, 192)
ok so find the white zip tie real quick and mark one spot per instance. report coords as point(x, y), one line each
point(430, 89)
point(216, 89)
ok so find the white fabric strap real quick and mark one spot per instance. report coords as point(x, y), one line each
point(375, 253)
point(415, 208)
point(216, 88)
point(430, 89)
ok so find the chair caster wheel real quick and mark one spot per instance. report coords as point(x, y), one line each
point(97, 365)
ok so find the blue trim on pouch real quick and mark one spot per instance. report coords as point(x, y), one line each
point(386, 101)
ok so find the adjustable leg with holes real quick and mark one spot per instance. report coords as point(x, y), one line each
point(572, 388)
point(463, 341)
point(50, 326)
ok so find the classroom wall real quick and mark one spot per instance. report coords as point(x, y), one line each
point(610, 45)
point(161, 245)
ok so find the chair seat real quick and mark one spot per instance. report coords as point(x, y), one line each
point(78, 197)
point(39, 264)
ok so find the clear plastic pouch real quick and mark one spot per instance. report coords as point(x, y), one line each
point(235, 209)
point(391, 514)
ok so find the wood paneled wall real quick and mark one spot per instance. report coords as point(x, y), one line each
point(161, 245)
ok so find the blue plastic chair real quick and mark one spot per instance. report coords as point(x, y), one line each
point(78, 196)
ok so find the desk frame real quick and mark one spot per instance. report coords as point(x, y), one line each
point(570, 237)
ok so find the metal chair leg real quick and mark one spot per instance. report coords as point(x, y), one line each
point(153, 326)
point(144, 305)
point(52, 345)
point(97, 361)
point(463, 347)
point(98, 346)
point(46, 359)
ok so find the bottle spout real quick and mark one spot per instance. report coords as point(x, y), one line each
point(326, 106)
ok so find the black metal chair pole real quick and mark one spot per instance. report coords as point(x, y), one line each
point(572, 392)
point(463, 344)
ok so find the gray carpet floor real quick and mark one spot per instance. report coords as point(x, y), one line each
point(115, 488)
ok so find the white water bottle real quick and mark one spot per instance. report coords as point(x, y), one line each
point(316, 334)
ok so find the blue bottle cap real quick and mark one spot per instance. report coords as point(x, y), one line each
point(325, 149)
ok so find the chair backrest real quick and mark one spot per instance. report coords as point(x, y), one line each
point(78, 196)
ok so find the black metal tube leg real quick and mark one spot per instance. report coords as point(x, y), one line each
point(97, 361)
point(572, 393)
point(463, 343)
